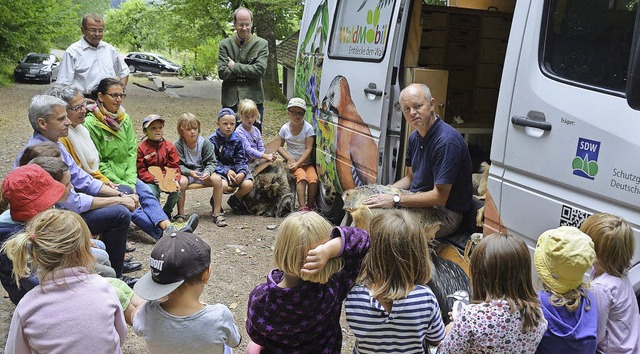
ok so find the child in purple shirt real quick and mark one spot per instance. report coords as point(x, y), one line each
point(618, 318)
point(250, 135)
point(298, 309)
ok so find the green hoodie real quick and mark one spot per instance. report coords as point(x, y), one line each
point(117, 149)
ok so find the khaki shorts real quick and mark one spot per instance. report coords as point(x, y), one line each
point(306, 173)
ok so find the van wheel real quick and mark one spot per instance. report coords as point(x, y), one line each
point(330, 209)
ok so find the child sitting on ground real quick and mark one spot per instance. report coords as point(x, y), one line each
point(298, 135)
point(618, 318)
point(298, 308)
point(232, 162)
point(561, 258)
point(197, 165)
point(251, 136)
point(180, 268)
point(505, 315)
point(392, 310)
point(73, 310)
point(158, 164)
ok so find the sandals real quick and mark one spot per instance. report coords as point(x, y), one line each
point(130, 247)
point(219, 220)
point(179, 219)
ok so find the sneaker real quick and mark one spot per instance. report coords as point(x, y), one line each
point(191, 224)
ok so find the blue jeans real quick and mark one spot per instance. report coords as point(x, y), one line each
point(150, 213)
point(112, 224)
point(172, 199)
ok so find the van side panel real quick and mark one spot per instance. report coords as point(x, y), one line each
point(563, 149)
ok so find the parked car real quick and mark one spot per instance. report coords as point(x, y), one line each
point(37, 67)
point(149, 62)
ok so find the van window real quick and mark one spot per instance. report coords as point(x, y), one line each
point(361, 32)
point(589, 41)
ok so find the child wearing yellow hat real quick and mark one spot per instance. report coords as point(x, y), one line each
point(562, 257)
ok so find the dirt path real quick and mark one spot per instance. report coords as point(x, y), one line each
point(241, 253)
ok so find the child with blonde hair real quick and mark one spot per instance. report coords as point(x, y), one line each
point(505, 315)
point(251, 136)
point(298, 308)
point(391, 310)
point(73, 310)
point(562, 257)
point(618, 317)
point(298, 136)
point(197, 165)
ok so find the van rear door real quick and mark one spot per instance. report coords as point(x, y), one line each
point(354, 96)
point(569, 145)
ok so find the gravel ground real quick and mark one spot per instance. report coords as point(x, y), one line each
point(241, 252)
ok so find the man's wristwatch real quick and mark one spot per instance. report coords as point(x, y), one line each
point(396, 200)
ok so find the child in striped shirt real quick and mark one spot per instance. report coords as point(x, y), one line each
point(391, 311)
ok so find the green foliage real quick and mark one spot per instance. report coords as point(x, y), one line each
point(30, 26)
point(130, 26)
point(71, 28)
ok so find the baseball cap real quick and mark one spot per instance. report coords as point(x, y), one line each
point(297, 102)
point(146, 122)
point(30, 190)
point(562, 256)
point(226, 112)
point(175, 257)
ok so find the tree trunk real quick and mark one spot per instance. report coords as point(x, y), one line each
point(265, 24)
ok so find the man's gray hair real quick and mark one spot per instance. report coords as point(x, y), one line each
point(42, 107)
point(95, 17)
point(65, 91)
point(235, 13)
point(425, 91)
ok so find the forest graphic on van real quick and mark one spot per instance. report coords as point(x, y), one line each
point(585, 164)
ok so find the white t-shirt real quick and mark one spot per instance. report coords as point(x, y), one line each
point(296, 143)
point(205, 331)
point(84, 65)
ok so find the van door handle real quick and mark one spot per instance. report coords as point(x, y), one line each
point(526, 122)
point(372, 90)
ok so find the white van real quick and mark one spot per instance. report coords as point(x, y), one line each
point(545, 86)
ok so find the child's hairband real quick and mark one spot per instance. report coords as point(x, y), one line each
point(32, 237)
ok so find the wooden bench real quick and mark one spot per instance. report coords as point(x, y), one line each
point(270, 148)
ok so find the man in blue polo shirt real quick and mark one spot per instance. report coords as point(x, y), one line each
point(439, 161)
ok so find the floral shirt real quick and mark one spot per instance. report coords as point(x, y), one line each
point(490, 328)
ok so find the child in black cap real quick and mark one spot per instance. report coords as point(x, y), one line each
point(180, 268)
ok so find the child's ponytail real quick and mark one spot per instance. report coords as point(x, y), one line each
point(53, 240)
point(16, 249)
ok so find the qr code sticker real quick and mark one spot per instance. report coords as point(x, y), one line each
point(572, 216)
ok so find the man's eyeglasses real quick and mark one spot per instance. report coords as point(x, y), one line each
point(244, 25)
point(95, 30)
point(297, 113)
point(78, 108)
point(115, 96)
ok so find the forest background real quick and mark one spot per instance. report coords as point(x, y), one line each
point(186, 31)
